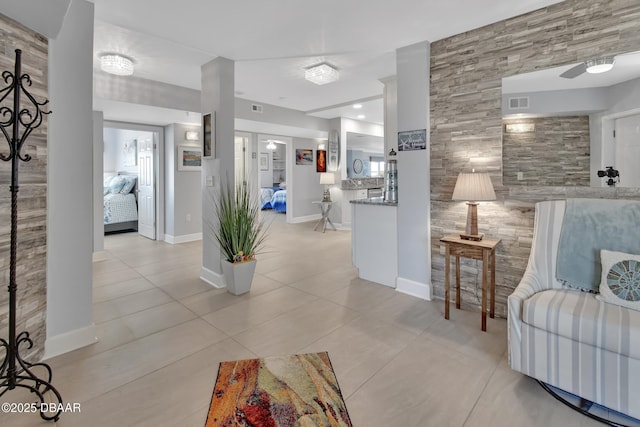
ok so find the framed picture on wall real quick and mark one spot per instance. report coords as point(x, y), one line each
point(321, 160)
point(208, 134)
point(304, 156)
point(264, 161)
point(130, 153)
point(189, 158)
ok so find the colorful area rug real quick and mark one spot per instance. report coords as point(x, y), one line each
point(284, 391)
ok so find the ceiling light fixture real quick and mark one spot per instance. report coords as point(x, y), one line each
point(271, 144)
point(600, 65)
point(114, 63)
point(361, 116)
point(357, 106)
point(321, 74)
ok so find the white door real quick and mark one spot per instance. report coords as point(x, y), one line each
point(240, 156)
point(627, 148)
point(146, 190)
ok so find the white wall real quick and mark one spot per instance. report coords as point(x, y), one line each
point(114, 149)
point(70, 190)
point(305, 182)
point(414, 206)
point(183, 195)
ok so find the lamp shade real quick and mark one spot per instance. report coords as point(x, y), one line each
point(473, 187)
point(327, 178)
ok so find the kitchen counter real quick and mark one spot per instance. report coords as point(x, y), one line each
point(374, 240)
point(361, 183)
point(378, 201)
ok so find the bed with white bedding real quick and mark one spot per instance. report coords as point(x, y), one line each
point(120, 203)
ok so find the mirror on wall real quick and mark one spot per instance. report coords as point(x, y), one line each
point(565, 126)
point(365, 156)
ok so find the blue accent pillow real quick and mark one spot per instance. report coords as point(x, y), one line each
point(129, 183)
point(116, 184)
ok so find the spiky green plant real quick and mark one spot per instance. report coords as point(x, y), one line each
point(240, 231)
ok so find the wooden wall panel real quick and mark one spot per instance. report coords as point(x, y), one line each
point(466, 123)
point(32, 195)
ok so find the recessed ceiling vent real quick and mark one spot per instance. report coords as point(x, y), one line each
point(519, 103)
point(256, 108)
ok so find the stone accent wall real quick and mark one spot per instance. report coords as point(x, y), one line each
point(32, 200)
point(466, 123)
point(556, 153)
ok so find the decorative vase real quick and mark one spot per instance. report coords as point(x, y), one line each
point(238, 276)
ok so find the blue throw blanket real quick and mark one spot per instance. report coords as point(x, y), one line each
point(588, 226)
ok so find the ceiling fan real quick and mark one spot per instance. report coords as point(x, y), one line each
point(593, 66)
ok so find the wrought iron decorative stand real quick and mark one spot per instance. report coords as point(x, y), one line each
point(14, 371)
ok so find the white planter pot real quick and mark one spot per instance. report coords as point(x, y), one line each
point(238, 277)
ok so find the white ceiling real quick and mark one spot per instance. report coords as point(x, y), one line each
point(273, 41)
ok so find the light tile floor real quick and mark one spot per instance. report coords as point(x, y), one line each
point(163, 332)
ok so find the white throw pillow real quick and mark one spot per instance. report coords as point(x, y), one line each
point(620, 281)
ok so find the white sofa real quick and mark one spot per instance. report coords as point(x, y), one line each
point(567, 338)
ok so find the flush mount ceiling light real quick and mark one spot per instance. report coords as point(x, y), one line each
point(321, 74)
point(600, 65)
point(114, 63)
point(357, 106)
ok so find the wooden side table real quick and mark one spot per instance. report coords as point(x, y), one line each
point(483, 250)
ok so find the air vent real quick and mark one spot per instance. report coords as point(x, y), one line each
point(519, 103)
point(256, 108)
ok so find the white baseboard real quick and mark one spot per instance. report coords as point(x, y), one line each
point(415, 289)
point(314, 217)
point(100, 256)
point(182, 239)
point(211, 277)
point(69, 341)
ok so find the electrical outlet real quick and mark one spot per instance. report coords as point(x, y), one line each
point(209, 181)
point(188, 217)
point(520, 176)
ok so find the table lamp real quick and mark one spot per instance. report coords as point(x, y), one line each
point(473, 187)
point(328, 179)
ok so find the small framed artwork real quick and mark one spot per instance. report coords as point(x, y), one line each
point(189, 158)
point(208, 134)
point(304, 156)
point(321, 160)
point(264, 161)
point(412, 140)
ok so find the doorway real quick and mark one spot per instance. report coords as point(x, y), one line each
point(626, 150)
point(136, 150)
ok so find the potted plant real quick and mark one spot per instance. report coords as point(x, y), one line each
point(240, 234)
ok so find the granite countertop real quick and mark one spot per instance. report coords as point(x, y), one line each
point(377, 201)
point(361, 183)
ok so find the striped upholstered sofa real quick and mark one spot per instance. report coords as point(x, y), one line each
point(567, 338)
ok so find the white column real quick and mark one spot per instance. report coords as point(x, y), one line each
point(414, 255)
point(217, 97)
point(70, 184)
point(390, 94)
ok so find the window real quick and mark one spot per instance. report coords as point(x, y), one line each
point(377, 166)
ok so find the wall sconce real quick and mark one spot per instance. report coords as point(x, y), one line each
point(519, 127)
point(192, 135)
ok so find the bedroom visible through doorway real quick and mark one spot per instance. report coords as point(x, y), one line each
point(130, 179)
